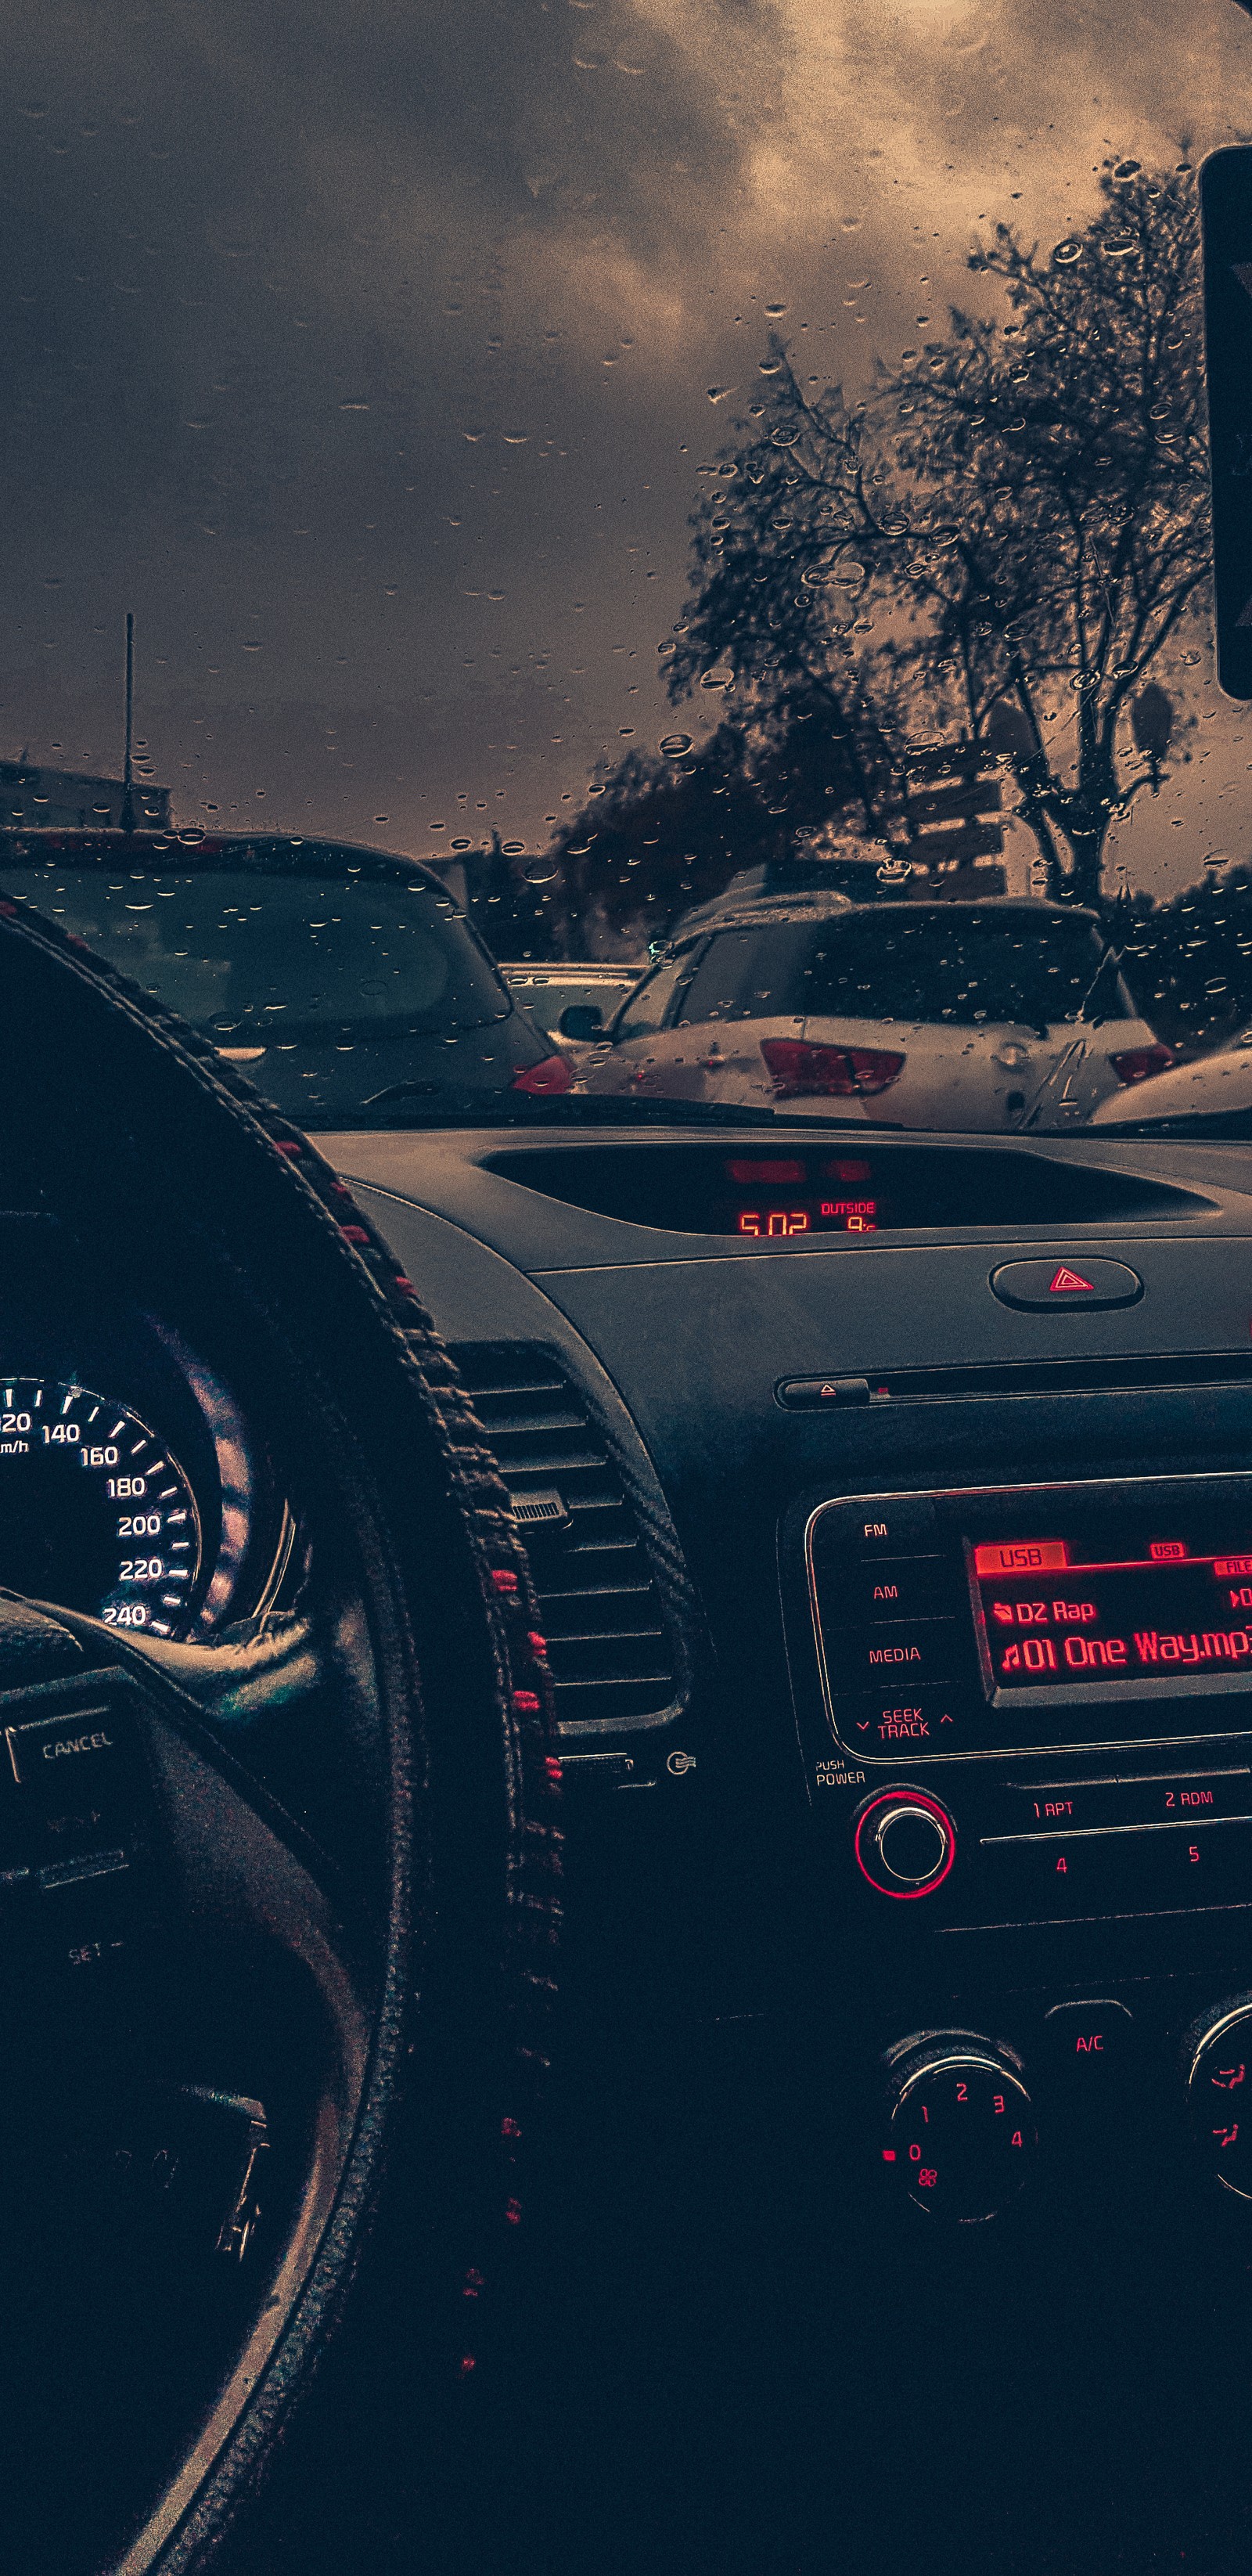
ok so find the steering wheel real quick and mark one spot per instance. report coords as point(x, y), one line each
point(275, 2035)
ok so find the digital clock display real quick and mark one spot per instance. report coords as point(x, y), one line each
point(776, 1199)
point(1052, 1612)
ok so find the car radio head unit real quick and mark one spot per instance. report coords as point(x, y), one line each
point(1015, 1618)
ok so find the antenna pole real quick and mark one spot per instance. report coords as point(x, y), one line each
point(128, 798)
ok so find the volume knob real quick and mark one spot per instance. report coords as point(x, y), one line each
point(905, 1842)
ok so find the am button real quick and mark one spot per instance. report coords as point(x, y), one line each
point(1057, 1287)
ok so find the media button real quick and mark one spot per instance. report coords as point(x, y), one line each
point(901, 1651)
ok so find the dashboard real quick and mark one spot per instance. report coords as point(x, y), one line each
point(926, 1702)
point(897, 1583)
point(897, 1589)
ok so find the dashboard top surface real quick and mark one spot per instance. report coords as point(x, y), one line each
point(465, 1174)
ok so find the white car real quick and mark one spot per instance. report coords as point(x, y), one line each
point(983, 1015)
point(1204, 1089)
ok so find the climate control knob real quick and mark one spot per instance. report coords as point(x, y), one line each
point(905, 1842)
point(960, 2134)
point(1217, 2063)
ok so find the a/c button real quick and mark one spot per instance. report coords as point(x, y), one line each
point(1057, 1286)
point(1088, 2037)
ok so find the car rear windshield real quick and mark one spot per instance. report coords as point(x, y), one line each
point(914, 963)
point(294, 947)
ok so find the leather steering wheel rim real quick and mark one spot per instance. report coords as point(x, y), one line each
point(101, 1080)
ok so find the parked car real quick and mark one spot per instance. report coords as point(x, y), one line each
point(1211, 1086)
point(337, 977)
point(981, 1015)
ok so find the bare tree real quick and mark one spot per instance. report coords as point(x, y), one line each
point(1018, 517)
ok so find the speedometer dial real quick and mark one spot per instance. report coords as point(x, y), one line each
point(94, 1511)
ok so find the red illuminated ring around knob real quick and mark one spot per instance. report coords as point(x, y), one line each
point(868, 1821)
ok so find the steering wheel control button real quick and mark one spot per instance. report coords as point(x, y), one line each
point(74, 1819)
point(960, 2137)
point(1056, 1287)
point(1217, 2062)
point(86, 1752)
point(904, 1842)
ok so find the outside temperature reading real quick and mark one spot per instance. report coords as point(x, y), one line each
point(844, 1206)
point(1047, 1614)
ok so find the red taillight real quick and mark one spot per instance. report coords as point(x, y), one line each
point(552, 1073)
point(838, 1073)
point(1138, 1064)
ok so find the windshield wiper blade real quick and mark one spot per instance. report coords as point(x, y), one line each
point(1235, 1123)
point(600, 1109)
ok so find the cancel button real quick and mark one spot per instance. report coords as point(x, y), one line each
point(57, 1754)
point(1055, 1287)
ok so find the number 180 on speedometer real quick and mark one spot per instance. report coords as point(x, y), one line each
point(95, 1512)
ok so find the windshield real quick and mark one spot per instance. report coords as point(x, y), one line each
point(726, 491)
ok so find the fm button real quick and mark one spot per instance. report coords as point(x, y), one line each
point(1056, 1287)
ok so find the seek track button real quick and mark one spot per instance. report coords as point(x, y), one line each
point(1058, 1286)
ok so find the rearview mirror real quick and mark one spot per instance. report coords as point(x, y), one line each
point(581, 1020)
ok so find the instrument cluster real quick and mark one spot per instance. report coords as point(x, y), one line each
point(130, 1488)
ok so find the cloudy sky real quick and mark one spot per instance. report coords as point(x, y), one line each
point(370, 353)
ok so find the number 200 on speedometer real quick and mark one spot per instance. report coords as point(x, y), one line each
point(95, 1512)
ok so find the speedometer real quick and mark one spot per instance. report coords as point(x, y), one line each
point(95, 1513)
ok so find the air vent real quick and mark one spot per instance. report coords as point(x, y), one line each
point(608, 1637)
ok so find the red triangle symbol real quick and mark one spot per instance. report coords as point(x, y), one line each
point(1067, 1280)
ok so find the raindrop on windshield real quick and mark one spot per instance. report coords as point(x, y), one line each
point(1066, 252)
point(675, 744)
point(539, 871)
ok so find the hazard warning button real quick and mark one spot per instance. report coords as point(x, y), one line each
point(1053, 1286)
